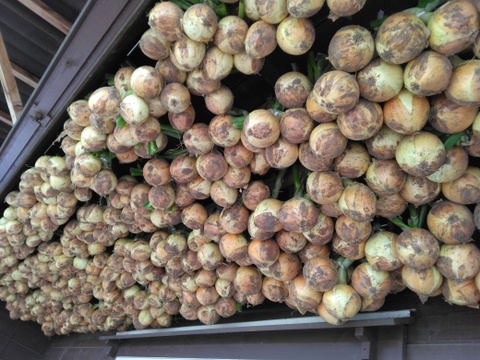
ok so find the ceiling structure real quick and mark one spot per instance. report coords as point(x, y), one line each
point(31, 32)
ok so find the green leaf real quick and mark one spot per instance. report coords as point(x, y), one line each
point(147, 205)
point(456, 139)
point(238, 306)
point(152, 148)
point(136, 172)
point(120, 122)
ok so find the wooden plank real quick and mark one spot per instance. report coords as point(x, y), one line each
point(9, 85)
point(48, 14)
point(5, 118)
point(23, 75)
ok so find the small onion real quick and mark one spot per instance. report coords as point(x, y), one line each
point(295, 36)
point(199, 22)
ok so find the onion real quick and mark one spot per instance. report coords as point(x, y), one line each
point(380, 81)
point(327, 141)
point(459, 261)
point(464, 293)
point(320, 273)
point(296, 125)
point(226, 307)
point(210, 256)
point(217, 65)
point(183, 169)
point(453, 27)
point(234, 219)
point(246, 64)
point(295, 36)
point(369, 282)
point(422, 282)
point(316, 112)
point(302, 295)
point(352, 231)
point(170, 73)
point(199, 22)
point(211, 166)
point(311, 160)
point(289, 241)
point(343, 8)
point(464, 190)
point(286, 268)
point(298, 214)
point(304, 8)
point(358, 202)
point(154, 46)
point(254, 193)
point(336, 91)
point(385, 177)
point(292, 89)
point(324, 187)
point(361, 122)
point(146, 82)
point(417, 248)
point(230, 35)
point(263, 253)
point(260, 40)
point(464, 84)
point(248, 280)
point(401, 37)
point(222, 132)
point(265, 215)
point(451, 223)
point(420, 154)
point(427, 74)
point(134, 110)
point(79, 112)
point(104, 101)
point(261, 128)
point(182, 121)
point(353, 162)
point(380, 251)
point(406, 113)
point(165, 18)
point(342, 301)
point(197, 139)
point(274, 290)
point(351, 48)
point(419, 190)
point(207, 314)
point(219, 102)
point(175, 97)
point(281, 154)
point(449, 117)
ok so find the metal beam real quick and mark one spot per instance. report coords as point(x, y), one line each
point(5, 118)
point(386, 318)
point(23, 75)
point(9, 85)
point(48, 14)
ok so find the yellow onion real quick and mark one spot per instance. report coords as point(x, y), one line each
point(417, 248)
point(379, 80)
point(420, 154)
point(464, 190)
point(419, 190)
point(343, 8)
point(165, 18)
point(361, 122)
point(459, 261)
point(453, 27)
point(369, 282)
point(353, 162)
point(336, 91)
point(449, 117)
point(320, 273)
point(342, 301)
point(464, 293)
point(261, 128)
point(406, 113)
point(324, 187)
point(451, 223)
point(380, 251)
point(401, 37)
point(217, 64)
point(260, 40)
point(304, 8)
point(327, 141)
point(292, 89)
point(456, 162)
point(154, 46)
point(272, 12)
point(422, 282)
point(146, 82)
point(465, 83)
point(358, 202)
point(246, 64)
point(295, 36)
point(199, 22)
point(385, 177)
point(187, 54)
point(296, 125)
point(351, 48)
point(302, 295)
point(281, 154)
point(230, 34)
point(427, 74)
point(274, 290)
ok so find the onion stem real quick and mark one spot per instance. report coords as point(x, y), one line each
point(397, 221)
point(136, 172)
point(343, 264)
point(147, 205)
point(170, 131)
point(456, 139)
point(152, 148)
point(120, 122)
point(241, 9)
point(237, 122)
point(278, 183)
point(172, 154)
point(110, 79)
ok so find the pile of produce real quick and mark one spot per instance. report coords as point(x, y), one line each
point(356, 180)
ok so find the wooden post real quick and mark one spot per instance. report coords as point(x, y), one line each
point(9, 85)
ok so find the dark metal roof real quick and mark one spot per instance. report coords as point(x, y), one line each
point(31, 42)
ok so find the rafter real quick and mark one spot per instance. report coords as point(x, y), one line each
point(48, 14)
point(5, 118)
point(23, 75)
point(9, 85)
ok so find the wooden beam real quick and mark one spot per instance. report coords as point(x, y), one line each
point(23, 75)
point(5, 118)
point(9, 85)
point(48, 14)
